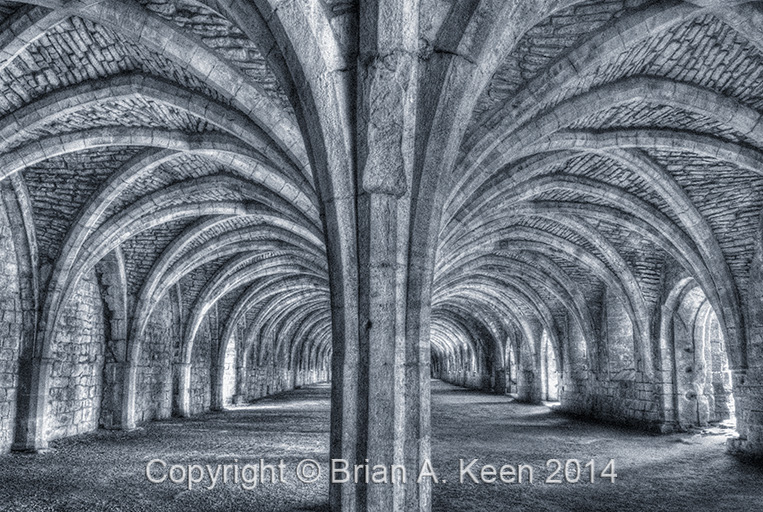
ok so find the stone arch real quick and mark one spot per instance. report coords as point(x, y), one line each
point(151, 31)
point(686, 357)
point(550, 370)
point(18, 256)
point(535, 95)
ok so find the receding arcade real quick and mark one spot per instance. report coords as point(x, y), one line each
point(206, 202)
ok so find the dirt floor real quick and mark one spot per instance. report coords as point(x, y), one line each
point(107, 470)
point(654, 473)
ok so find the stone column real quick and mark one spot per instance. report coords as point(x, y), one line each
point(113, 395)
point(130, 390)
point(31, 405)
point(240, 395)
point(184, 389)
point(215, 377)
point(494, 379)
point(749, 414)
point(747, 367)
point(382, 405)
point(119, 376)
point(119, 394)
point(529, 385)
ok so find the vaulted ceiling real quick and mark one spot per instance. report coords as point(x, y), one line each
point(613, 138)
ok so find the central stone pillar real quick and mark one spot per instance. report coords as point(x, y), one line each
point(381, 370)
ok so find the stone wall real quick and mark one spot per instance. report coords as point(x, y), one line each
point(267, 380)
point(632, 401)
point(618, 333)
point(459, 375)
point(606, 385)
point(76, 373)
point(257, 379)
point(10, 331)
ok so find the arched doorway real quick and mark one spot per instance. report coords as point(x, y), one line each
point(549, 370)
point(695, 367)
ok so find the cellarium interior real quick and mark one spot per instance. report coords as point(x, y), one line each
point(373, 216)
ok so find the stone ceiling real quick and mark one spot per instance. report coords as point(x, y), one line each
point(612, 138)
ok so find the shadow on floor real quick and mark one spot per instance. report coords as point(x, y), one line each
point(106, 471)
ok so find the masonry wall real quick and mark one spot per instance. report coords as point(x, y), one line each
point(612, 389)
point(263, 380)
point(76, 374)
point(10, 331)
point(631, 401)
point(269, 377)
point(618, 333)
point(459, 375)
point(267, 380)
point(154, 380)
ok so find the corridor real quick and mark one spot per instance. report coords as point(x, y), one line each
point(106, 470)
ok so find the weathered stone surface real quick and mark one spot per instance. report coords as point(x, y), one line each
point(76, 372)
point(209, 202)
point(11, 324)
point(154, 398)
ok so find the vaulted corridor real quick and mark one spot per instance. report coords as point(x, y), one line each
point(680, 472)
point(204, 203)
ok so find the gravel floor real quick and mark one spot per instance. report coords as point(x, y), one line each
point(107, 470)
point(683, 472)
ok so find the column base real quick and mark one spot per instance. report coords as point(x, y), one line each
point(667, 427)
point(742, 447)
point(41, 447)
